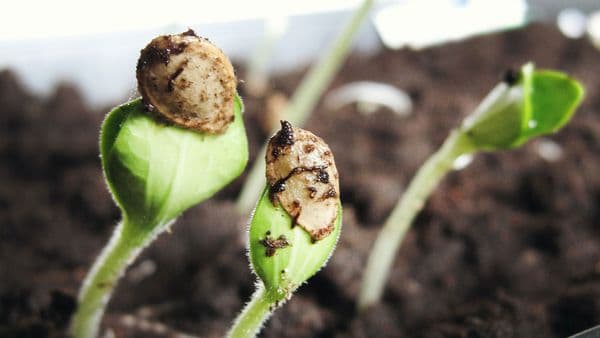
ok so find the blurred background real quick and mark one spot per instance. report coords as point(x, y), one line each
point(95, 45)
point(508, 246)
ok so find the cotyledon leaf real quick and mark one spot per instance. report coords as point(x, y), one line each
point(155, 171)
point(292, 264)
point(539, 102)
point(551, 100)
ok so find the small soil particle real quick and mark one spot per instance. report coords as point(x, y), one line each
point(273, 244)
point(322, 176)
point(511, 76)
point(285, 135)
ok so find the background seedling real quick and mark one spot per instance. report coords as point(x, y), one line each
point(257, 77)
point(155, 170)
point(527, 104)
point(296, 223)
point(305, 98)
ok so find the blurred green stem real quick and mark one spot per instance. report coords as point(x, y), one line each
point(305, 99)
point(390, 237)
point(257, 74)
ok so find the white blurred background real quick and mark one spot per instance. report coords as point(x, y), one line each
point(95, 44)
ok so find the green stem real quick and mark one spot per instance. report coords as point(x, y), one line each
point(305, 99)
point(124, 246)
point(249, 322)
point(388, 241)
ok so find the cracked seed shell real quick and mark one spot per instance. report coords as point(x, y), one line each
point(186, 80)
point(303, 179)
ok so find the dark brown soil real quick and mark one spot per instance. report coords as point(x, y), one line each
point(508, 247)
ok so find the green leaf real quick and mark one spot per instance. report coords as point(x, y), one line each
point(552, 98)
point(292, 265)
point(541, 102)
point(496, 123)
point(156, 171)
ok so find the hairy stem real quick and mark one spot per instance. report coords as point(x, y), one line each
point(305, 99)
point(257, 311)
point(388, 241)
point(124, 246)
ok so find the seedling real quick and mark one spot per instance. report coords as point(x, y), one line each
point(161, 154)
point(295, 225)
point(526, 104)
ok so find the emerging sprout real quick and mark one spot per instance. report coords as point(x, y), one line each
point(155, 171)
point(527, 104)
point(302, 191)
point(188, 81)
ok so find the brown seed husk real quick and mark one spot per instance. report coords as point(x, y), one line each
point(303, 179)
point(188, 81)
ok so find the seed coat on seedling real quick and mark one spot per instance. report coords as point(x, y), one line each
point(188, 81)
point(303, 179)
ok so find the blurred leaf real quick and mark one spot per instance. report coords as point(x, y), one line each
point(552, 99)
point(496, 123)
point(541, 102)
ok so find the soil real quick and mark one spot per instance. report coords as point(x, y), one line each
point(508, 247)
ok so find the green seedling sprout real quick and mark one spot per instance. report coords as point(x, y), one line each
point(162, 154)
point(295, 225)
point(527, 104)
point(305, 98)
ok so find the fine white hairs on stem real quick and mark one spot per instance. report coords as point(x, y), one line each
point(303, 179)
point(188, 81)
